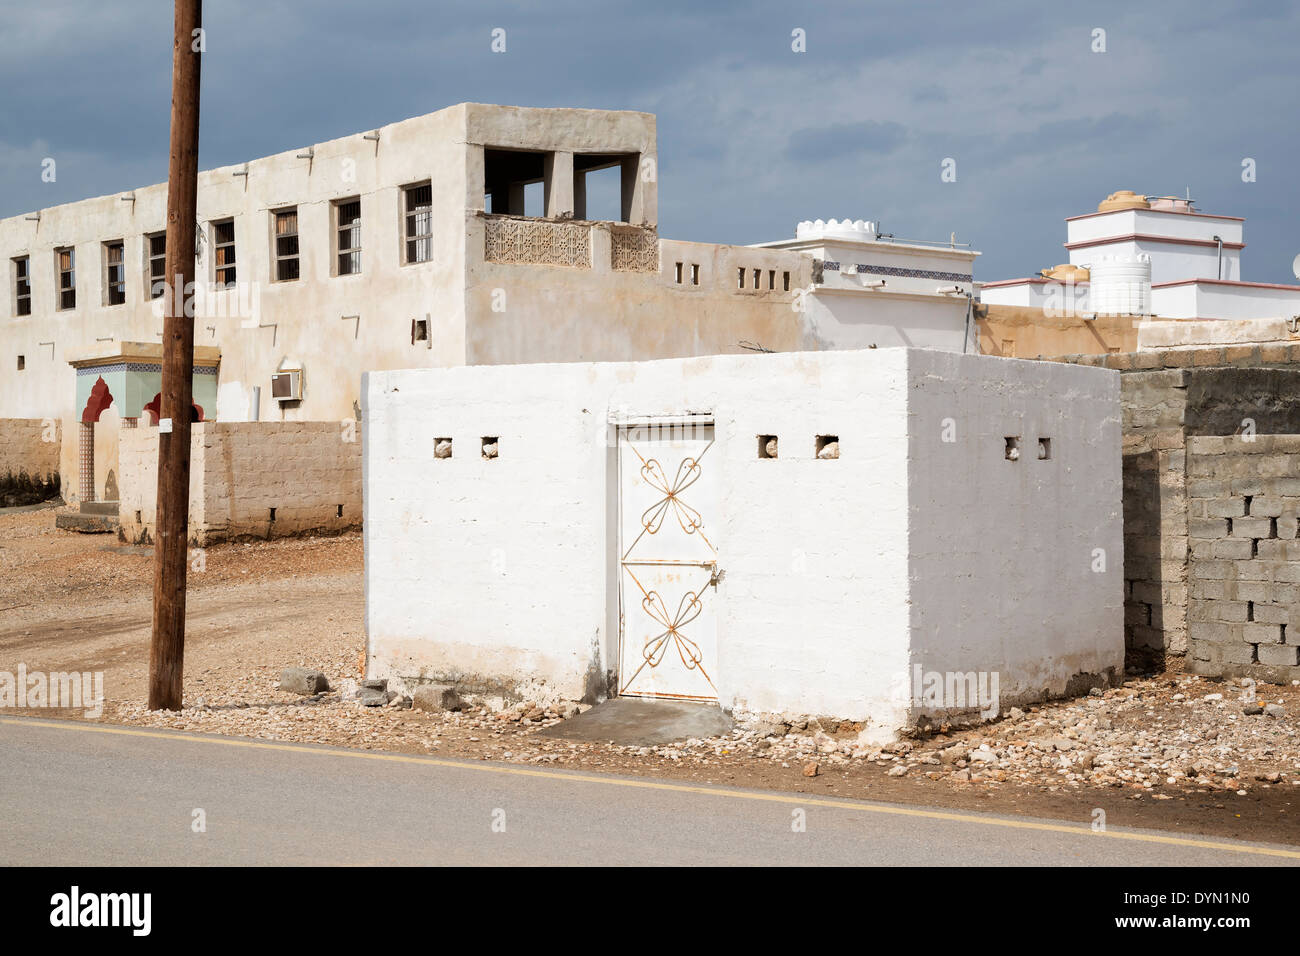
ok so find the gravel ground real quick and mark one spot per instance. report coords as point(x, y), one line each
point(74, 602)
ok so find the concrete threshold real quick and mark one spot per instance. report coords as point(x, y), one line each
point(636, 722)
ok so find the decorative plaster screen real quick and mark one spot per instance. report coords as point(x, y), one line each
point(668, 557)
point(537, 241)
point(634, 249)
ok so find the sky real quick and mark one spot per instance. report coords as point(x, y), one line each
point(754, 135)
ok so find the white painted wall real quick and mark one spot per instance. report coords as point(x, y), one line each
point(501, 573)
point(1024, 293)
point(923, 305)
point(1169, 262)
point(1002, 553)
point(1153, 222)
point(1235, 300)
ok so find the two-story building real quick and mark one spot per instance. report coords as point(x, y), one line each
point(469, 236)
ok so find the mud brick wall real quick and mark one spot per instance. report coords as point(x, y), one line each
point(1167, 396)
point(1243, 498)
point(307, 472)
point(29, 445)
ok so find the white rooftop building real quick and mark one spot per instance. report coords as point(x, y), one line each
point(1156, 256)
point(873, 290)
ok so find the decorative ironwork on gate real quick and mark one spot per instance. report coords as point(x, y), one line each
point(690, 604)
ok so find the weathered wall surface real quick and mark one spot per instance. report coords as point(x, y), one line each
point(137, 457)
point(308, 472)
point(29, 445)
point(1212, 333)
point(527, 312)
point(1024, 332)
point(1244, 571)
point(1155, 511)
point(1016, 566)
point(506, 575)
point(263, 323)
point(1169, 395)
point(501, 574)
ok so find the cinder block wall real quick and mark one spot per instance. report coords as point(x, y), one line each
point(308, 472)
point(1169, 395)
point(30, 445)
point(1155, 511)
point(1243, 499)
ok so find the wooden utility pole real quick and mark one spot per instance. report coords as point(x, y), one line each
point(167, 649)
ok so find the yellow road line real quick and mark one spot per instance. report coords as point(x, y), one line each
point(609, 781)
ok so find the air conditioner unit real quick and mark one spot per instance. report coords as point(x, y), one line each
point(286, 386)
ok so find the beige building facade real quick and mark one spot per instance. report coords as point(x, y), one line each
point(463, 237)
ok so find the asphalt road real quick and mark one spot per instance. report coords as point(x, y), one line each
point(76, 794)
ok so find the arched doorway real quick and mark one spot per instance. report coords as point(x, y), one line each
point(100, 399)
point(155, 405)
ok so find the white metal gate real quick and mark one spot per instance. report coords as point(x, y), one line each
point(668, 556)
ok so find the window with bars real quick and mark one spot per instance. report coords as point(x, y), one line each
point(114, 273)
point(157, 247)
point(22, 286)
point(66, 263)
point(348, 213)
point(223, 249)
point(286, 245)
point(419, 222)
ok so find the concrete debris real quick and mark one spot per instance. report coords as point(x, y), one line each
point(303, 680)
point(436, 697)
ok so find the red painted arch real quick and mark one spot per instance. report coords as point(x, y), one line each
point(100, 398)
point(196, 411)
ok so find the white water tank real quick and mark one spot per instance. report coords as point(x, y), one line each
point(1120, 285)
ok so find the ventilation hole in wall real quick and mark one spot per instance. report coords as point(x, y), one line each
point(695, 273)
point(679, 273)
point(338, 511)
point(1249, 498)
point(1013, 448)
point(766, 446)
point(1229, 527)
point(1250, 610)
point(419, 330)
point(740, 278)
point(1254, 547)
point(758, 276)
point(1044, 449)
point(442, 448)
point(771, 279)
point(828, 446)
point(22, 362)
point(272, 514)
point(1146, 609)
point(785, 281)
point(489, 446)
point(139, 518)
point(1272, 527)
